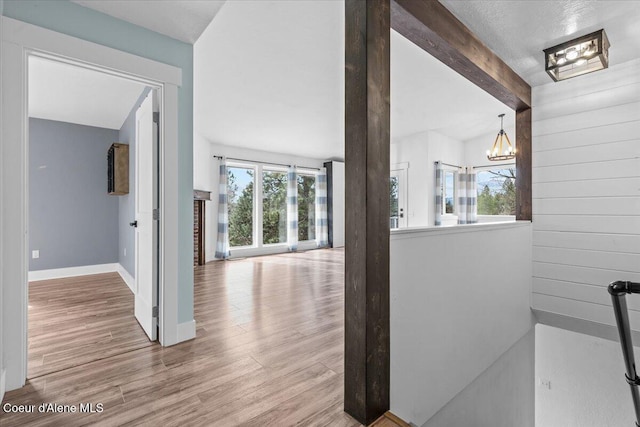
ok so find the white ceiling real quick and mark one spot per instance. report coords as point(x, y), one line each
point(71, 94)
point(183, 20)
point(428, 95)
point(270, 76)
point(518, 30)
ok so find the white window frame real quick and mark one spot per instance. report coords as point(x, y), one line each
point(254, 231)
point(259, 247)
point(454, 170)
point(268, 168)
point(495, 218)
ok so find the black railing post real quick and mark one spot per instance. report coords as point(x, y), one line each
point(618, 291)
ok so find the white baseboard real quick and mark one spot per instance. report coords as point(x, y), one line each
point(84, 270)
point(3, 376)
point(186, 331)
point(128, 279)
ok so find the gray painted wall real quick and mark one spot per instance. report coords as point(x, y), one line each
point(72, 220)
point(502, 396)
point(126, 233)
point(2, 369)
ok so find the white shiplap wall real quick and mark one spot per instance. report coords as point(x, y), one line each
point(586, 192)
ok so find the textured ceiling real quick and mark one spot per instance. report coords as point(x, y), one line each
point(518, 30)
point(71, 94)
point(183, 20)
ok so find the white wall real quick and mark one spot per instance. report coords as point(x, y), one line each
point(420, 151)
point(586, 192)
point(459, 300)
point(475, 149)
point(502, 396)
point(207, 165)
point(584, 391)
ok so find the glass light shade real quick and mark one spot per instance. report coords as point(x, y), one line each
point(583, 55)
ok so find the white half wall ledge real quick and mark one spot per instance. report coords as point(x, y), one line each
point(186, 331)
point(84, 270)
point(582, 326)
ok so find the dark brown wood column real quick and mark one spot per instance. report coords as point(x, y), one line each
point(367, 148)
point(523, 165)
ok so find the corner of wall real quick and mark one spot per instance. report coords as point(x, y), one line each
point(3, 376)
point(186, 331)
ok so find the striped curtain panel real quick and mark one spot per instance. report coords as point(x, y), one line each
point(467, 197)
point(222, 240)
point(438, 191)
point(292, 209)
point(322, 221)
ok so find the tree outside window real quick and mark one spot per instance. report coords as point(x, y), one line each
point(497, 192)
point(240, 199)
point(306, 207)
point(274, 207)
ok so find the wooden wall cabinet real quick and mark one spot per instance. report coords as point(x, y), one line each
point(118, 169)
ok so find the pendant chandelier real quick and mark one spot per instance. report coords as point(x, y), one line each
point(501, 151)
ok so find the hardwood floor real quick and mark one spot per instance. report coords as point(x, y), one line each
point(269, 351)
point(77, 320)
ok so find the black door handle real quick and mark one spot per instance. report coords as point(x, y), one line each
point(134, 224)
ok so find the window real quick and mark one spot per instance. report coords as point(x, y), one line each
point(497, 191)
point(241, 183)
point(257, 207)
point(393, 201)
point(449, 190)
point(306, 207)
point(274, 207)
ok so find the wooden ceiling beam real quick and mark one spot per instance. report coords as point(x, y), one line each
point(430, 25)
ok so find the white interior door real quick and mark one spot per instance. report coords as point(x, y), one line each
point(398, 198)
point(146, 231)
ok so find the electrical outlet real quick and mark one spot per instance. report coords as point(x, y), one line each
point(544, 383)
point(35, 254)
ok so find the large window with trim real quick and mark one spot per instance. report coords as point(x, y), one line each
point(274, 207)
point(240, 196)
point(496, 190)
point(257, 205)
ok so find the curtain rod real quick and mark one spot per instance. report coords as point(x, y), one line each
point(264, 163)
point(477, 167)
point(493, 166)
point(447, 164)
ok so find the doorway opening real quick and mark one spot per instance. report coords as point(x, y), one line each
point(92, 170)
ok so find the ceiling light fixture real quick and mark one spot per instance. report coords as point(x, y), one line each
point(578, 56)
point(497, 153)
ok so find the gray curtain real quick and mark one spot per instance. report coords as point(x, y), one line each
point(438, 191)
point(292, 209)
point(222, 240)
point(322, 221)
point(467, 196)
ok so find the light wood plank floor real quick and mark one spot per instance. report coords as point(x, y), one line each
point(269, 351)
point(77, 320)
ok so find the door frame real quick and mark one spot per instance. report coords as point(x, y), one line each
point(401, 171)
point(20, 41)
